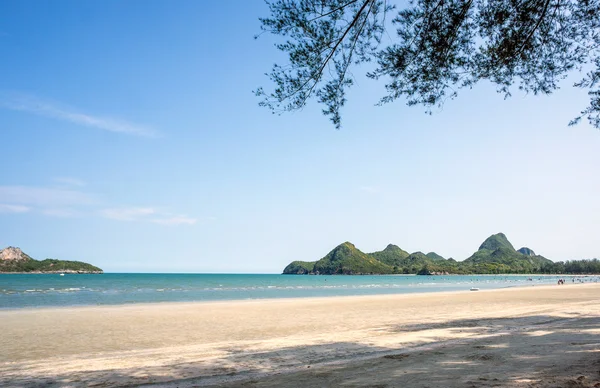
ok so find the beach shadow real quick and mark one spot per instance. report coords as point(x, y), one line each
point(527, 351)
point(532, 351)
point(236, 363)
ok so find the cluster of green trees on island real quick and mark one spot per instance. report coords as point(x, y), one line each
point(49, 265)
point(14, 260)
point(495, 256)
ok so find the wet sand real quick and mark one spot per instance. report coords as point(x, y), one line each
point(543, 336)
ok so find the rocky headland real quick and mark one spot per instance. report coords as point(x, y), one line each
point(14, 260)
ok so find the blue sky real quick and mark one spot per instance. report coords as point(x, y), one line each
point(131, 140)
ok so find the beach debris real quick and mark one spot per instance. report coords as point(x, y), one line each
point(395, 356)
point(481, 357)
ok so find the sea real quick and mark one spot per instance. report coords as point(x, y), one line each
point(53, 290)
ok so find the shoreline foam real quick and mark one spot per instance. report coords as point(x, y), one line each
point(77, 292)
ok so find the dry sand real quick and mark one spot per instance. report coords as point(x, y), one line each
point(521, 337)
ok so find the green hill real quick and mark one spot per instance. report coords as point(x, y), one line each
point(496, 241)
point(435, 257)
point(14, 260)
point(392, 255)
point(417, 258)
point(496, 255)
point(345, 259)
point(414, 262)
point(431, 263)
point(526, 251)
point(348, 260)
point(300, 268)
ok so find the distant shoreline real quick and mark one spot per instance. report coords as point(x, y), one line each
point(323, 275)
point(450, 274)
point(52, 273)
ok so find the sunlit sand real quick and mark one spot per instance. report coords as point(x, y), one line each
point(545, 336)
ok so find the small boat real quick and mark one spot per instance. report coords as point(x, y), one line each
point(474, 289)
point(62, 274)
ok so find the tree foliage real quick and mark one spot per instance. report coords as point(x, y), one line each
point(440, 47)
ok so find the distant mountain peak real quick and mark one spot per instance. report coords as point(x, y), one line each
point(392, 248)
point(392, 255)
point(435, 256)
point(526, 251)
point(346, 244)
point(344, 259)
point(13, 253)
point(496, 241)
point(344, 248)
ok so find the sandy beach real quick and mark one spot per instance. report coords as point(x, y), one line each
point(546, 336)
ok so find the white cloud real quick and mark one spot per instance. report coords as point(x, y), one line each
point(175, 220)
point(44, 108)
point(5, 208)
point(68, 181)
point(44, 197)
point(146, 214)
point(63, 213)
point(127, 213)
point(370, 189)
point(65, 202)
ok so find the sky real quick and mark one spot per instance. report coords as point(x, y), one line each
point(130, 139)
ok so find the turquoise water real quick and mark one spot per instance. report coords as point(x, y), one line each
point(41, 290)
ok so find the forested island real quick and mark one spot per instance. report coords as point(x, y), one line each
point(14, 260)
point(496, 255)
